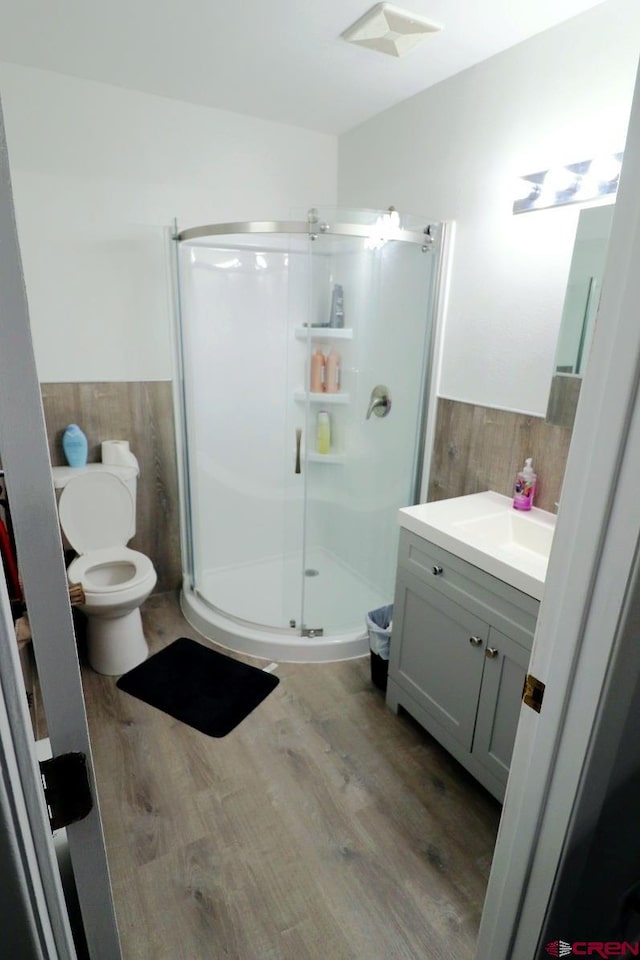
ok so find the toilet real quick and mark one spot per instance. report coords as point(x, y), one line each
point(96, 508)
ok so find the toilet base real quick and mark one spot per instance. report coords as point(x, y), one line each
point(116, 644)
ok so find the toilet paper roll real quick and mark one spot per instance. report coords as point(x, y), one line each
point(116, 453)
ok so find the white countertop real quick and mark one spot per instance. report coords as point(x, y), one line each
point(484, 529)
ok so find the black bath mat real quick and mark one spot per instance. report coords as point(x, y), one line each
point(200, 687)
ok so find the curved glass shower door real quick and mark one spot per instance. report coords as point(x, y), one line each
point(287, 530)
point(353, 493)
point(245, 504)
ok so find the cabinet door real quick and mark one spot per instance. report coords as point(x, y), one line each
point(500, 701)
point(437, 656)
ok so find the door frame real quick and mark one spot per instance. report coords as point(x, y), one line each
point(29, 482)
point(35, 921)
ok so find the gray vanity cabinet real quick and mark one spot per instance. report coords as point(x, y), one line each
point(459, 653)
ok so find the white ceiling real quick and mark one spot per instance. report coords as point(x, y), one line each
point(281, 60)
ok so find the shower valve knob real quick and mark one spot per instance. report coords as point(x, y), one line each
point(380, 402)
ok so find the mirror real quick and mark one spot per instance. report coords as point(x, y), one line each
point(579, 312)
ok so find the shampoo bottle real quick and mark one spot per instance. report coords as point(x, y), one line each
point(332, 372)
point(336, 317)
point(74, 445)
point(525, 487)
point(323, 439)
point(317, 384)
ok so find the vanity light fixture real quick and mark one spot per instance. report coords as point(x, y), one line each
point(388, 29)
point(573, 183)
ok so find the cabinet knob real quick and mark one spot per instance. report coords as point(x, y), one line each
point(475, 641)
point(436, 569)
point(491, 652)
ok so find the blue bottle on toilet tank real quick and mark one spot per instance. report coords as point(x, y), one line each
point(75, 446)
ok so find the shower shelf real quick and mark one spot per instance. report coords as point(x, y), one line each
point(303, 395)
point(324, 333)
point(313, 457)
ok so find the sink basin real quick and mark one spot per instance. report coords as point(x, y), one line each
point(510, 531)
point(485, 530)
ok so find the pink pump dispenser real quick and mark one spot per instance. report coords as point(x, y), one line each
point(525, 487)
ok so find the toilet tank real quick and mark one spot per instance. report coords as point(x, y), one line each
point(128, 475)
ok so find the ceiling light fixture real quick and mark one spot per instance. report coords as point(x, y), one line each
point(389, 29)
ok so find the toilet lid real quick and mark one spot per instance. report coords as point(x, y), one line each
point(96, 511)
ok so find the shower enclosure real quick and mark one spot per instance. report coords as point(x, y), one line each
point(287, 542)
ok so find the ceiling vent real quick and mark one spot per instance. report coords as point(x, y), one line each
point(391, 30)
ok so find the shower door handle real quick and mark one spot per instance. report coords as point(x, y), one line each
point(298, 440)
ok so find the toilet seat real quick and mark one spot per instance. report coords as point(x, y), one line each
point(127, 594)
point(98, 571)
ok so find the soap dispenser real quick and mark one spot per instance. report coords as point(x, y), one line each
point(525, 487)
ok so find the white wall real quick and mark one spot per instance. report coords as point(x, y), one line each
point(453, 152)
point(99, 173)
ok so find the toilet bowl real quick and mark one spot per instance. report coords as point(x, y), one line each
point(96, 509)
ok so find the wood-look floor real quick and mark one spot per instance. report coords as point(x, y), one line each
point(322, 828)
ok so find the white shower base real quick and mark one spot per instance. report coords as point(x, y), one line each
point(256, 593)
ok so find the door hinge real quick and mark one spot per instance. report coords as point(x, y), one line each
point(533, 692)
point(66, 789)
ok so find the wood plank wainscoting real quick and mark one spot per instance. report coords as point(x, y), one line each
point(142, 413)
point(480, 448)
point(476, 448)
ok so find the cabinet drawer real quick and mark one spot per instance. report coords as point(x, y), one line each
point(497, 602)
